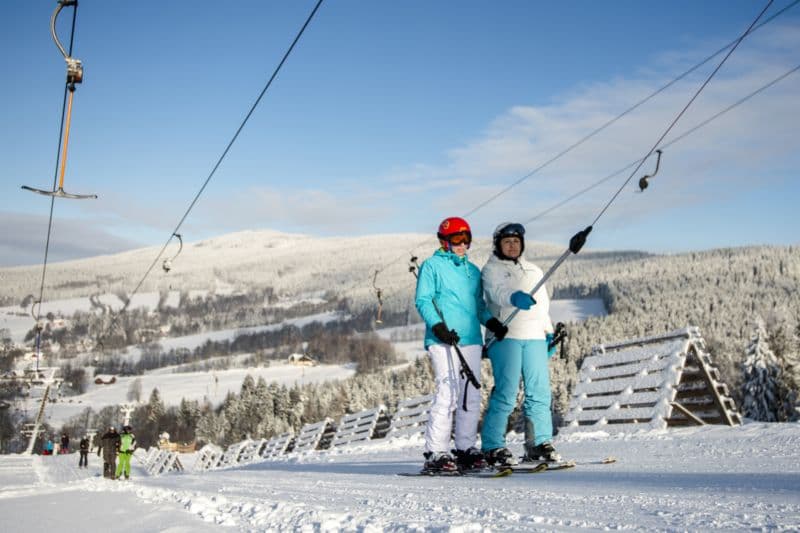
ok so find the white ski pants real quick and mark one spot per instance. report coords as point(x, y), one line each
point(449, 398)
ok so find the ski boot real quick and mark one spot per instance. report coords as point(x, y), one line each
point(541, 452)
point(439, 463)
point(500, 458)
point(470, 459)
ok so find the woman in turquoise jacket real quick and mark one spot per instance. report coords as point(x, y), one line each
point(449, 298)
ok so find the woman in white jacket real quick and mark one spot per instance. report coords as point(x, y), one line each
point(507, 279)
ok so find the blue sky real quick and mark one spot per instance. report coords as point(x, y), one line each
point(390, 116)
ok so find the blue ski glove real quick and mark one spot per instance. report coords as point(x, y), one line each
point(522, 300)
point(551, 347)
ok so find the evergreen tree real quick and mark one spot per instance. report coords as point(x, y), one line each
point(761, 378)
point(188, 417)
point(213, 428)
point(147, 420)
point(789, 390)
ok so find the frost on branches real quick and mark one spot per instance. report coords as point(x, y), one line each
point(761, 379)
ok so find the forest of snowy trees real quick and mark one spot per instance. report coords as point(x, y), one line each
point(743, 300)
point(726, 293)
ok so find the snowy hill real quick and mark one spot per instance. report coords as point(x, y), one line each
point(290, 263)
point(709, 478)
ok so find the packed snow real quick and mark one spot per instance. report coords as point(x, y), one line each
point(701, 478)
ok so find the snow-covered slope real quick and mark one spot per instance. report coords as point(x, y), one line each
point(290, 263)
point(697, 479)
point(213, 386)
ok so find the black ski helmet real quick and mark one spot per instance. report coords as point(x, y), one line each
point(508, 229)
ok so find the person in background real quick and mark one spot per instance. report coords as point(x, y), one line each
point(108, 446)
point(64, 443)
point(126, 445)
point(83, 447)
point(449, 297)
point(48, 446)
point(508, 279)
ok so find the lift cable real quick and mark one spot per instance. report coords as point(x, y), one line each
point(601, 128)
point(629, 166)
point(227, 148)
point(579, 239)
point(680, 137)
point(733, 44)
point(677, 118)
point(115, 317)
point(55, 183)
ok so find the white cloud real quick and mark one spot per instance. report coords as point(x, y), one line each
point(755, 139)
point(758, 139)
point(314, 210)
point(22, 241)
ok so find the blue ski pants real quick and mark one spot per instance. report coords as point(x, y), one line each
point(512, 359)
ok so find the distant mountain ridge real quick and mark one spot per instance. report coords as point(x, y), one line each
point(290, 263)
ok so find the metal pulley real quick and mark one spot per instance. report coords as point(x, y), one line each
point(167, 264)
point(643, 183)
point(74, 65)
point(74, 70)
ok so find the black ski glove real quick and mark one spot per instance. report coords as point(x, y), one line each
point(447, 336)
point(497, 328)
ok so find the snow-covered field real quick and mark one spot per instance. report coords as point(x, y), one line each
point(213, 386)
point(696, 479)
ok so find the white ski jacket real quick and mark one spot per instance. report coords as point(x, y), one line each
point(502, 278)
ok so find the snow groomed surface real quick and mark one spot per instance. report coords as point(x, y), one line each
point(705, 478)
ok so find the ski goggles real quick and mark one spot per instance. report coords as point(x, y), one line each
point(456, 239)
point(512, 230)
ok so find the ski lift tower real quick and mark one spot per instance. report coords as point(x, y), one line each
point(126, 409)
point(40, 377)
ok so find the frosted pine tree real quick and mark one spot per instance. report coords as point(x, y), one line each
point(790, 383)
point(761, 378)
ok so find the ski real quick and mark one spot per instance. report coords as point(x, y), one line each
point(561, 465)
point(535, 468)
point(532, 468)
point(604, 461)
point(470, 473)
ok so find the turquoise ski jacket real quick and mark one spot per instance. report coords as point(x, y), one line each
point(455, 284)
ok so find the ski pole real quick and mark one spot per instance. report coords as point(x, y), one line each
point(575, 244)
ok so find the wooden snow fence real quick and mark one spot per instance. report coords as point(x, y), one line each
point(317, 436)
point(361, 427)
point(251, 452)
point(158, 462)
point(411, 416)
point(232, 454)
point(145, 458)
point(278, 445)
point(650, 383)
point(208, 458)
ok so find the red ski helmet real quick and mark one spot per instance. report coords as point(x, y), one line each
point(451, 227)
